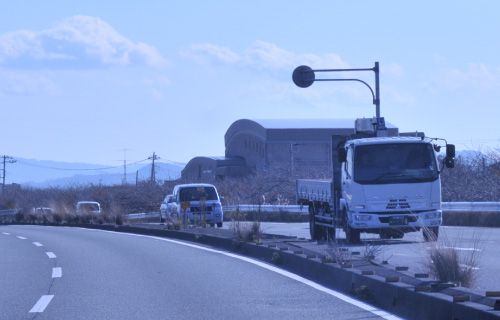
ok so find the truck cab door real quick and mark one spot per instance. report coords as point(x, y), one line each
point(347, 175)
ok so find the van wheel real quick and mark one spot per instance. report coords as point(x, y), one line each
point(219, 224)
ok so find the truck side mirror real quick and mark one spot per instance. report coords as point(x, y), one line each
point(450, 151)
point(342, 155)
point(449, 162)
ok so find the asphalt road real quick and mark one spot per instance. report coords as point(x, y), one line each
point(71, 273)
point(412, 251)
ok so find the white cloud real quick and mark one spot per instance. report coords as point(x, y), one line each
point(392, 69)
point(205, 52)
point(262, 55)
point(478, 76)
point(77, 42)
point(25, 84)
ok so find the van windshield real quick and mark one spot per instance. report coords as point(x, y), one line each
point(88, 207)
point(198, 194)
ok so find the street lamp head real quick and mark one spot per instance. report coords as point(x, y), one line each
point(303, 76)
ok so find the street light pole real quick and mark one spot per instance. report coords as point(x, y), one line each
point(304, 76)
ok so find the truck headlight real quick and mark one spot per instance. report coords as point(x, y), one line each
point(360, 207)
point(432, 215)
point(363, 217)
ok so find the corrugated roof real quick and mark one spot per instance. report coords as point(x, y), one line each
point(309, 123)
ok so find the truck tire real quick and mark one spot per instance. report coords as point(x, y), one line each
point(431, 234)
point(385, 234)
point(317, 232)
point(331, 234)
point(397, 234)
point(352, 235)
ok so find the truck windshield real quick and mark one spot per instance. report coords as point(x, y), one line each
point(197, 194)
point(395, 163)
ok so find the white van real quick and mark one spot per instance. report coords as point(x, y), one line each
point(88, 207)
point(166, 207)
point(198, 201)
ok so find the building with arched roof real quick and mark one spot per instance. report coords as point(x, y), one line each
point(256, 144)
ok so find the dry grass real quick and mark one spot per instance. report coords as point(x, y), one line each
point(448, 262)
point(336, 252)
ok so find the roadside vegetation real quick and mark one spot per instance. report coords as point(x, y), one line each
point(455, 261)
point(474, 178)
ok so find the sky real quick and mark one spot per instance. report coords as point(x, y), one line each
point(102, 81)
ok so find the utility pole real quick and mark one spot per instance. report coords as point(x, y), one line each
point(124, 179)
point(153, 171)
point(6, 159)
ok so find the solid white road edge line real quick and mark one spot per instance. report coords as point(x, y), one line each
point(50, 255)
point(42, 303)
point(338, 295)
point(56, 272)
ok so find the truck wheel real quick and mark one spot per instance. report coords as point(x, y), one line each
point(385, 234)
point(317, 232)
point(331, 233)
point(431, 234)
point(397, 234)
point(219, 224)
point(352, 235)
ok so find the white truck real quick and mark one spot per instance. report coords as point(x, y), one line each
point(383, 185)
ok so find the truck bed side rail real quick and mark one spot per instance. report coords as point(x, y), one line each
point(314, 190)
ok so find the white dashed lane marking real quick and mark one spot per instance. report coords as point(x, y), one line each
point(56, 272)
point(42, 303)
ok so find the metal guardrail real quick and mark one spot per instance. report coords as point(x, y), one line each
point(142, 215)
point(487, 207)
point(9, 212)
point(266, 208)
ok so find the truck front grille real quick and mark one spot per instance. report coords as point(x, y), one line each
point(397, 204)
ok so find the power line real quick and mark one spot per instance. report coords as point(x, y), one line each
point(74, 169)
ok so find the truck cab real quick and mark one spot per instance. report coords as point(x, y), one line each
point(390, 186)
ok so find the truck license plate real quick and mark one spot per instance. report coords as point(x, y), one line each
point(398, 221)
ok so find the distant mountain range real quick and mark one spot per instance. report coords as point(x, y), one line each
point(44, 173)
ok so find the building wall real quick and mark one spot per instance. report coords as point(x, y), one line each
point(303, 145)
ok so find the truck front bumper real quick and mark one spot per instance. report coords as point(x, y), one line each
point(363, 220)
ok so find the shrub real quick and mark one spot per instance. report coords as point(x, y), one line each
point(449, 264)
point(19, 216)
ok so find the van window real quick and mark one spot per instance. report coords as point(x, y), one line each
point(88, 207)
point(197, 194)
